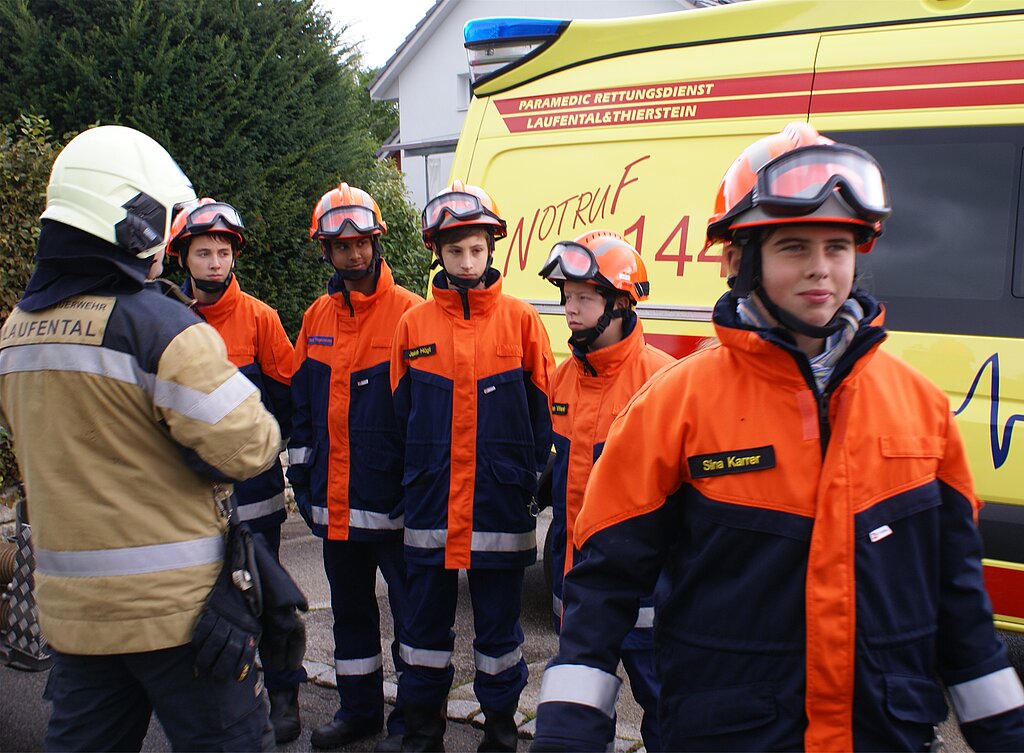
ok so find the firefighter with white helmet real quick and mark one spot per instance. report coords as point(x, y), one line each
point(128, 420)
point(804, 499)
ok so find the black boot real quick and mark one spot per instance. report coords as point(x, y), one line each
point(284, 714)
point(424, 729)
point(501, 734)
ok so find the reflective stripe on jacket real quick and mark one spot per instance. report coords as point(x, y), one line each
point(345, 448)
point(819, 558)
point(471, 374)
point(124, 407)
point(257, 344)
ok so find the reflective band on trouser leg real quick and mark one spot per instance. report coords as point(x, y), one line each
point(493, 665)
point(987, 696)
point(253, 510)
point(576, 683)
point(133, 560)
point(299, 455)
point(374, 521)
point(424, 657)
point(358, 667)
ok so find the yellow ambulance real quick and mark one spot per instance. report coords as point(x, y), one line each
point(629, 124)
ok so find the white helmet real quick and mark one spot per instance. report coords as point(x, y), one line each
point(118, 184)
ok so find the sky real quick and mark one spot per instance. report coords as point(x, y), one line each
point(379, 25)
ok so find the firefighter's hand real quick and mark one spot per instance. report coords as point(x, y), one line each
point(304, 501)
point(283, 645)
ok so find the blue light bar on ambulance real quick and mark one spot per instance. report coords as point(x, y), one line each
point(494, 43)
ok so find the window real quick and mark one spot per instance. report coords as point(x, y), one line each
point(946, 261)
point(463, 92)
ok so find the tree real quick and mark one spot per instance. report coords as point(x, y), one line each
point(259, 101)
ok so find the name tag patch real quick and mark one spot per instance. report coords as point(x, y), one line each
point(320, 340)
point(418, 352)
point(560, 409)
point(733, 461)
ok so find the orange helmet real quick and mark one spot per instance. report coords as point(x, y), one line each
point(798, 175)
point(458, 205)
point(601, 258)
point(346, 212)
point(203, 216)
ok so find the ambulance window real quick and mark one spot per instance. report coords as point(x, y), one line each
point(945, 262)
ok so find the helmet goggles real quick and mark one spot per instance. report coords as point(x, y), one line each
point(569, 260)
point(799, 181)
point(203, 218)
point(360, 219)
point(458, 205)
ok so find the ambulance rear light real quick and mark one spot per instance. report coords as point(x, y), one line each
point(495, 43)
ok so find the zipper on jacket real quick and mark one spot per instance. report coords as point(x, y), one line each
point(348, 302)
point(464, 295)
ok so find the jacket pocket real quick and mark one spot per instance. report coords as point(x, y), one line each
point(910, 698)
point(722, 711)
point(913, 447)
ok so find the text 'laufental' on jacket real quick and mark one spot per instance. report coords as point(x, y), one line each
point(125, 411)
point(818, 554)
point(470, 372)
point(257, 344)
point(589, 391)
point(345, 447)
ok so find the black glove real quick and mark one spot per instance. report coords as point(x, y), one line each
point(228, 629)
point(304, 501)
point(284, 639)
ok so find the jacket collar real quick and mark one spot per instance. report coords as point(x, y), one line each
point(762, 346)
point(223, 307)
point(463, 304)
point(607, 361)
point(353, 302)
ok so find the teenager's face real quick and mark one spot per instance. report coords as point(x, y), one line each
point(351, 254)
point(583, 305)
point(210, 258)
point(466, 258)
point(808, 270)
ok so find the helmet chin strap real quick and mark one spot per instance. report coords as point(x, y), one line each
point(584, 339)
point(371, 268)
point(747, 281)
point(462, 284)
point(209, 286)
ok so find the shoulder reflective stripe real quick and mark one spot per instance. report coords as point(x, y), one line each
point(358, 667)
point(493, 665)
point(489, 541)
point(556, 606)
point(645, 618)
point(423, 657)
point(987, 696)
point(202, 406)
point(299, 455)
point(253, 510)
point(426, 538)
point(376, 521)
point(320, 515)
point(576, 683)
point(131, 560)
point(87, 359)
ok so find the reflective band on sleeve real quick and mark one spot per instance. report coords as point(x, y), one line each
point(576, 683)
point(320, 515)
point(423, 657)
point(202, 406)
point(987, 696)
point(493, 665)
point(374, 521)
point(556, 606)
point(131, 560)
point(490, 541)
point(253, 510)
point(645, 618)
point(434, 538)
point(299, 455)
point(358, 667)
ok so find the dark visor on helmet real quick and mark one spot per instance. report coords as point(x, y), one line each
point(362, 220)
point(799, 181)
point(205, 217)
point(570, 261)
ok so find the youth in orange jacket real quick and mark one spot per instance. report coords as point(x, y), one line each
point(601, 279)
point(804, 498)
point(470, 371)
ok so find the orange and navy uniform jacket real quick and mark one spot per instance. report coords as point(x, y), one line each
point(470, 372)
point(258, 346)
point(345, 452)
point(818, 553)
point(589, 391)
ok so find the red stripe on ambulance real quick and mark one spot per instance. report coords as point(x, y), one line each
point(1006, 589)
